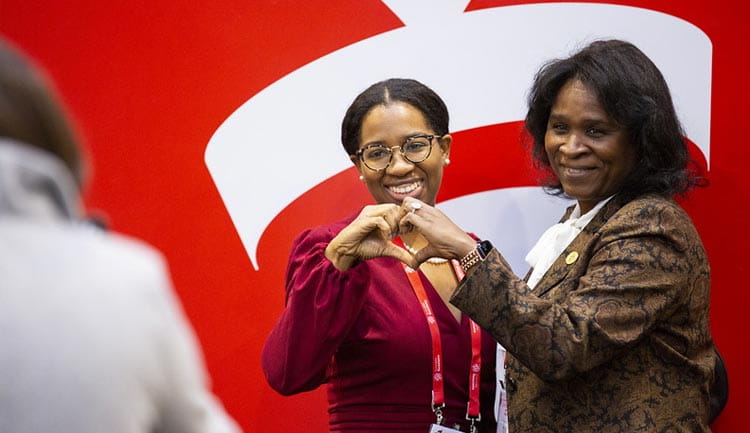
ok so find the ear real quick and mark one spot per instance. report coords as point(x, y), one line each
point(445, 145)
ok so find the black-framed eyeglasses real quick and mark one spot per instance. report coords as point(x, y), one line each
point(414, 149)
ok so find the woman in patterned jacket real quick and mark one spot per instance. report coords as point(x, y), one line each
point(609, 331)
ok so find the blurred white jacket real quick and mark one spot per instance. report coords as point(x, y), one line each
point(92, 338)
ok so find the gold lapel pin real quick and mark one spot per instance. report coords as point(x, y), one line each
point(571, 258)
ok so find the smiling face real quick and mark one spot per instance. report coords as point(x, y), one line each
point(588, 151)
point(390, 125)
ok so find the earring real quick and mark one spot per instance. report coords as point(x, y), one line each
point(361, 177)
point(447, 161)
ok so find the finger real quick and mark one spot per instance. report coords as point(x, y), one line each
point(405, 224)
point(387, 212)
point(405, 227)
point(392, 217)
point(386, 229)
point(401, 212)
point(413, 220)
point(411, 205)
point(406, 203)
point(425, 253)
point(398, 253)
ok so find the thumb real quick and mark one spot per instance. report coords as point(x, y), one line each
point(398, 253)
point(425, 253)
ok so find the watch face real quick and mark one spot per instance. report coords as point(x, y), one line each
point(484, 248)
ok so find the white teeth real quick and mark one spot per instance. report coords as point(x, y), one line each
point(575, 171)
point(405, 189)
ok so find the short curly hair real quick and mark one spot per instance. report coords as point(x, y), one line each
point(634, 94)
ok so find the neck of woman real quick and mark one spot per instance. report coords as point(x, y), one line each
point(413, 240)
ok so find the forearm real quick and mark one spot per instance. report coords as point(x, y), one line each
point(339, 257)
point(322, 305)
point(587, 322)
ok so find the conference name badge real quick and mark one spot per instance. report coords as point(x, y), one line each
point(435, 428)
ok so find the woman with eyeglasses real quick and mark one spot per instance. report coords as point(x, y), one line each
point(395, 355)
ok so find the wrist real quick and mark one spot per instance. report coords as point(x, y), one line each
point(476, 255)
point(466, 246)
point(340, 261)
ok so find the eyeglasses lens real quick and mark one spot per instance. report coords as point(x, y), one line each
point(415, 150)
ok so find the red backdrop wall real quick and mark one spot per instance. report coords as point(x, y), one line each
point(149, 82)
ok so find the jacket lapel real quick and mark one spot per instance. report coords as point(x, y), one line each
point(575, 252)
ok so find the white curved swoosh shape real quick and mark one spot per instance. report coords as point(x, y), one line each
point(285, 139)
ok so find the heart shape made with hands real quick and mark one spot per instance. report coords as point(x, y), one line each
point(441, 239)
point(372, 233)
point(428, 222)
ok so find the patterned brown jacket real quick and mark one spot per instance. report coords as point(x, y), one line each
point(615, 337)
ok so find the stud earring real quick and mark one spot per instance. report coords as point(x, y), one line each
point(361, 177)
point(447, 161)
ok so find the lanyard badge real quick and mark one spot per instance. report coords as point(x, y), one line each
point(436, 428)
point(438, 394)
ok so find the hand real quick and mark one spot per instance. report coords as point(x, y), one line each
point(445, 238)
point(369, 236)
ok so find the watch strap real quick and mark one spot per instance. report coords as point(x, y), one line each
point(476, 255)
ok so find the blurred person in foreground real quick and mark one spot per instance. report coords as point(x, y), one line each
point(92, 338)
point(609, 331)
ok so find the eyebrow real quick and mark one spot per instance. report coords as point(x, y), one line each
point(406, 137)
point(588, 120)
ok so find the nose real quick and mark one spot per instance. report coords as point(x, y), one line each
point(574, 145)
point(399, 165)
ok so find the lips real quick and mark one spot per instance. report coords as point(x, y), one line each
point(574, 172)
point(405, 188)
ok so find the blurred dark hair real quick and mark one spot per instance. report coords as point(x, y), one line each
point(634, 94)
point(30, 111)
point(385, 92)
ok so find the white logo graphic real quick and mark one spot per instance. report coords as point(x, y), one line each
point(285, 139)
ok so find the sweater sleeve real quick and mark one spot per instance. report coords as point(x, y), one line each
point(322, 305)
point(641, 269)
point(184, 400)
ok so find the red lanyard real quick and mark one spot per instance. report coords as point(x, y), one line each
point(438, 394)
